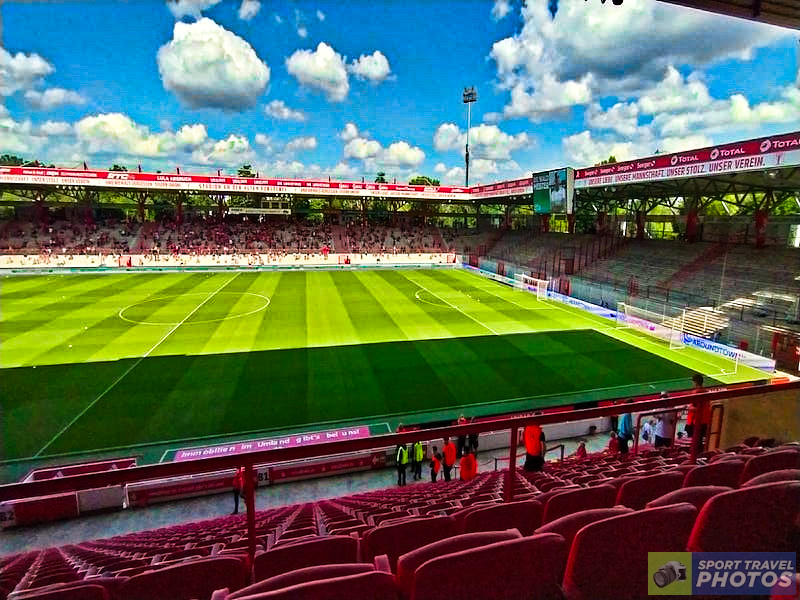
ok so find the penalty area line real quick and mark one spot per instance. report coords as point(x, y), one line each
point(131, 368)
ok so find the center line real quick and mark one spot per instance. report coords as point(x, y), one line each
point(133, 366)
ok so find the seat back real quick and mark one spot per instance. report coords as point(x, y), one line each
point(65, 592)
point(374, 585)
point(299, 576)
point(725, 473)
point(771, 461)
point(772, 476)
point(408, 563)
point(603, 552)
point(196, 579)
point(398, 538)
point(636, 493)
point(525, 515)
point(524, 568)
point(759, 518)
point(696, 495)
point(601, 496)
point(331, 549)
point(568, 525)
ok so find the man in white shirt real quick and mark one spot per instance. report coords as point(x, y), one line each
point(664, 429)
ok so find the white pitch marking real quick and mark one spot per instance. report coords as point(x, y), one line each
point(132, 367)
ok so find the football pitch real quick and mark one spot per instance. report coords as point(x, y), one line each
point(110, 361)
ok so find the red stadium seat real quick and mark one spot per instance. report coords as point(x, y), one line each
point(374, 585)
point(697, 495)
point(398, 538)
point(725, 473)
point(761, 518)
point(569, 525)
point(409, 562)
point(771, 461)
point(601, 496)
point(65, 592)
point(327, 550)
point(636, 493)
point(193, 580)
point(525, 568)
point(603, 552)
point(772, 476)
point(525, 515)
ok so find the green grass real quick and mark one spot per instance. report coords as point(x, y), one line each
point(107, 361)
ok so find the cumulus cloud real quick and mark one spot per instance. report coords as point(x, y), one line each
point(190, 8)
point(362, 148)
point(115, 132)
point(320, 15)
point(500, 9)
point(52, 98)
point(277, 109)
point(576, 57)
point(56, 128)
point(191, 136)
point(232, 151)
point(206, 65)
point(322, 69)
point(486, 141)
point(583, 149)
point(372, 67)
point(402, 154)
point(248, 9)
point(350, 132)
point(301, 144)
point(21, 71)
point(302, 31)
point(440, 168)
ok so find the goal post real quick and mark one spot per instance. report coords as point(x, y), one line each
point(532, 284)
point(666, 329)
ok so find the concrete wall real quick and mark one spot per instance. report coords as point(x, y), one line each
point(766, 415)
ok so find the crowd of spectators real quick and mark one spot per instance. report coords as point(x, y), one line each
point(61, 237)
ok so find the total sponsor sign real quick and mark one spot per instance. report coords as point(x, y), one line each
point(762, 153)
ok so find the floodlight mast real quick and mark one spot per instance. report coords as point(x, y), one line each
point(469, 96)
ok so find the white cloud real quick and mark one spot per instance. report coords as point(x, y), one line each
point(372, 67)
point(206, 65)
point(3, 111)
point(277, 109)
point(301, 144)
point(322, 69)
point(190, 8)
point(21, 71)
point(302, 31)
point(350, 132)
point(52, 98)
point(249, 9)
point(440, 168)
point(56, 128)
point(500, 9)
point(117, 132)
point(362, 148)
point(320, 15)
point(191, 136)
point(486, 141)
point(674, 92)
point(622, 117)
point(263, 140)
point(554, 63)
point(232, 151)
point(278, 18)
point(402, 154)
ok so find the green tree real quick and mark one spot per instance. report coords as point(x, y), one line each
point(246, 171)
point(9, 160)
point(116, 167)
point(381, 178)
point(423, 180)
point(609, 161)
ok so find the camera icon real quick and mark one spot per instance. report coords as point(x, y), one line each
point(672, 571)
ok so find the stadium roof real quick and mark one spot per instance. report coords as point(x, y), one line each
point(785, 13)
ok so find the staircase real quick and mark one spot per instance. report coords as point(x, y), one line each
point(702, 322)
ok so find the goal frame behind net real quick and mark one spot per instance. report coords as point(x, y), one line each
point(532, 284)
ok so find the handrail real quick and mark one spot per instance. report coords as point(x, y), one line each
point(72, 483)
point(556, 447)
point(638, 427)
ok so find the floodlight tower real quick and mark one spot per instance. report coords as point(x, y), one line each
point(469, 96)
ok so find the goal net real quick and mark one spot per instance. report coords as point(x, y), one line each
point(653, 323)
point(538, 286)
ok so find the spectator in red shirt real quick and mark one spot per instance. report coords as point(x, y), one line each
point(581, 451)
point(469, 466)
point(534, 448)
point(449, 457)
point(613, 443)
point(238, 489)
point(436, 463)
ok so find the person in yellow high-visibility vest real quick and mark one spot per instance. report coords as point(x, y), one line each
point(402, 462)
point(417, 456)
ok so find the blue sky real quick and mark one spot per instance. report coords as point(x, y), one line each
point(318, 89)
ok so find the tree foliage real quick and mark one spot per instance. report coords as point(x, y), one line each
point(246, 171)
point(381, 178)
point(116, 167)
point(10, 160)
point(423, 180)
point(609, 161)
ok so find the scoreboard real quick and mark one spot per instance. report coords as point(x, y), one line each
point(554, 191)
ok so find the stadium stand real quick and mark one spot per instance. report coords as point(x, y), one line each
point(399, 542)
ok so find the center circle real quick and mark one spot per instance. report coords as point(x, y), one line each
point(248, 303)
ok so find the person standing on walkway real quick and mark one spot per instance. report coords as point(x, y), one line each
point(402, 462)
point(417, 456)
point(449, 457)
